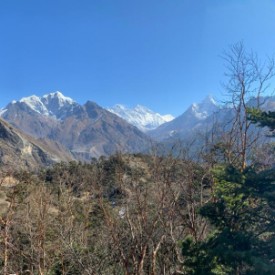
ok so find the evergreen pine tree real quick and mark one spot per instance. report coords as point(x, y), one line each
point(242, 213)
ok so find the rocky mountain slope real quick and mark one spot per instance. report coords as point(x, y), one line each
point(140, 116)
point(85, 130)
point(19, 151)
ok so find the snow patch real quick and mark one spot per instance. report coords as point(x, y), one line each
point(204, 109)
point(172, 133)
point(168, 118)
point(2, 111)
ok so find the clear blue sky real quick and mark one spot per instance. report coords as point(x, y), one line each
point(164, 54)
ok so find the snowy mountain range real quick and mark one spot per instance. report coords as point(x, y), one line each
point(57, 106)
point(90, 130)
point(140, 116)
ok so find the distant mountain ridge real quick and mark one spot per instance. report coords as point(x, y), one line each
point(85, 130)
point(199, 118)
point(140, 116)
point(194, 117)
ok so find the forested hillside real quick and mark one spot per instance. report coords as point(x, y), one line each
point(138, 214)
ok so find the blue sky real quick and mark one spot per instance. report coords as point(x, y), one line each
point(164, 54)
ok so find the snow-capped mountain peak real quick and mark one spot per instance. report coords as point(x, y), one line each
point(193, 118)
point(57, 104)
point(207, 107)
point(209, 103)
point(140, 116)
point(57, 96)
point(54, 105)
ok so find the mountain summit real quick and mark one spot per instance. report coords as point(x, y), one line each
point(140, 116)
point(54, 105)
point(195, 115)
point(204, 109)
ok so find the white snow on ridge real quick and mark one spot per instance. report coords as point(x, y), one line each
point(52, 104)
point(35, 104)
point(140, 116)
point(168, 117)
point(197, 112)
point(2, 111)
point(62, 100)
point(205, 108)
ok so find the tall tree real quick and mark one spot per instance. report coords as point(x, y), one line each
point(247, 78)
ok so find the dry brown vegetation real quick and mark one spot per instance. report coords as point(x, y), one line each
point(122, 215)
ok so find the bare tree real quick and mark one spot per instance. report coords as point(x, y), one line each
point(248, 79)
point(157, 207)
